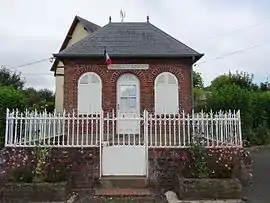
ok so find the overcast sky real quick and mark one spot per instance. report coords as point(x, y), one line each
point(31, 30)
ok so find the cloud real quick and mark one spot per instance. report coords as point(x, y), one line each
point(33, 30)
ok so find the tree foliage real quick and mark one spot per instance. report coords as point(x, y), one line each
point(232, 97)
point(12, 79)
point(197, 80)
point(13, 99)
point(241, 79)
point(40, 99)
point(239, 92)
point(14, 96)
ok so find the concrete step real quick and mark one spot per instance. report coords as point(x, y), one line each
point(123, 199)
point(122, 192)
point(124, 182)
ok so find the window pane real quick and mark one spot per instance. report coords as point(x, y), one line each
point(94, 79)
point(132, 90)
point(171, 79)
point(161, 79)
point(132, 102)
point(124, 104)
point(124, 91)
point(84, 79)
point(128, 90)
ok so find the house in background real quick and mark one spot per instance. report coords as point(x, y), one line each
point(142, 101)
point(79, 29)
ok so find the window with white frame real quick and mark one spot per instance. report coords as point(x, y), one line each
point(89, 93)
point(166, 94)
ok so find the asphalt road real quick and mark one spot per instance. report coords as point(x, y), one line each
point(259, 191)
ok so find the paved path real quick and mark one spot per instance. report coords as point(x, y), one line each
point(259, 192)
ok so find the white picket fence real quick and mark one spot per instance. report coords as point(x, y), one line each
point(32, 129)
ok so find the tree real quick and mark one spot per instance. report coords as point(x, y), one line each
point(265, 86)
point(239, 92)
point(41, 99)
point(198, 91)
point(13, 79)
point(197, 80)
point(232, 97)
point(242, 79)
point(46, 94)
point(13, 96)
point(13, 99)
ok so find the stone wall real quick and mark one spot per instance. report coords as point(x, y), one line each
point(81, 165)
point(161, 168)
point(165, 166)
point(34, 192)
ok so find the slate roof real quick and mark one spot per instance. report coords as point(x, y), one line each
point(129, 40)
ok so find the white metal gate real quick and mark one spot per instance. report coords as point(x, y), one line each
point(123, 154)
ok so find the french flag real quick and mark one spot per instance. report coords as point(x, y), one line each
point(107, 58)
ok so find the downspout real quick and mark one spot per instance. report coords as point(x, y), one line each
point(191, 83)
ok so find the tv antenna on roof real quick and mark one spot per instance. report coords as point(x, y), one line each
point(122, 15)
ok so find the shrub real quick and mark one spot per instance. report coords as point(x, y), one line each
point(196, 166)
point(57, 174)
point(22, 174)
point(260, 135)
point(42, 155)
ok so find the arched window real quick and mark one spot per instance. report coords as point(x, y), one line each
point(166, 93)
point(89, 93)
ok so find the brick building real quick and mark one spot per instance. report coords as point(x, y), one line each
point(150, 70)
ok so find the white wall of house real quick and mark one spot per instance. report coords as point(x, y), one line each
point(78, 34)
point(59, 88)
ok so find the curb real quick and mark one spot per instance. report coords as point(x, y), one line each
point(255, 149)
point(172, 198)
point(209, 201)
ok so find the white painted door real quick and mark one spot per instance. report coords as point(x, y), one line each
point(128, 104)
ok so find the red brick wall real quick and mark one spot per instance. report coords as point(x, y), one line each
point(75, 68)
